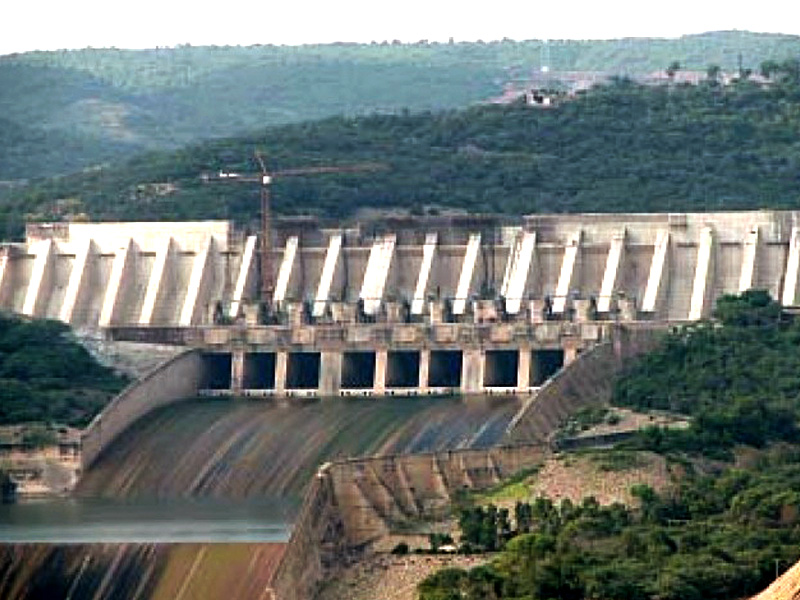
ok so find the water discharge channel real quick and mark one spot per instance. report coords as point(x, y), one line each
point(88, 520)
point(235, 471)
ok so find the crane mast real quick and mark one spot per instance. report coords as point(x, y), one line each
point(264, 179)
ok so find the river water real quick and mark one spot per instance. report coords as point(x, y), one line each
point(85, 520)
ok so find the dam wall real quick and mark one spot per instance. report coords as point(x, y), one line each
point(665, 267)
point(470, 304)
point(317, 547)
point(354, 504)
point(176, 379)
point(587, 381)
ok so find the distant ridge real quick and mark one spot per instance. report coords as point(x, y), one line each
point(618, 148)
point(105, 103)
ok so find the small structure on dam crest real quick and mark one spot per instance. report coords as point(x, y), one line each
point(468, 304)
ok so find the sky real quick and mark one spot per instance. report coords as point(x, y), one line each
point(54, 24)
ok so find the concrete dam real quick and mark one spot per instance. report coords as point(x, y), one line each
point(474, 331)
point(468, 304)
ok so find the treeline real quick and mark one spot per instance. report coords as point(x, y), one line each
point(182, 66)
point(714, 537)
point(47, 376)
point(737, 378)
point(113, 101)
point(621, 147)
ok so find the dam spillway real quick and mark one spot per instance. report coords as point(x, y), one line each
point(463, 305)
point(217, 449)
point(130, 571)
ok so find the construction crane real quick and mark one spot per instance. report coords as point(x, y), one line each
point(264, 179)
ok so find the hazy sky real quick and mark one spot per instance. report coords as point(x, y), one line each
point(52, 24)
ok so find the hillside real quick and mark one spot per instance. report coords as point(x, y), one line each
point(47, 376)
point(108, 101)
point(723, 528)
point(738, 382)
point(622, 147)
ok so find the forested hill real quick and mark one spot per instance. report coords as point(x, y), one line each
point(97, 104)
point(47, 376)
point(622, 147)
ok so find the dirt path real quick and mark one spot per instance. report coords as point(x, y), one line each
point(387, 577)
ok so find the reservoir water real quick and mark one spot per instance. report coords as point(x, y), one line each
point(86, 520)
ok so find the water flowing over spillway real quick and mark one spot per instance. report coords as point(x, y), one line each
point(247, 449)
point(219, 453)
point(129, 571)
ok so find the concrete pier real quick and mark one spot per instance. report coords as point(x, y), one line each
point(611, 272)
point(655, 267)
point(516, 277)
point(418, 302)
point(654, 292)
point(77, 279)
point(158, 275)
point(200, 280)
point(328, 270)
point(467, 270)
point(789, 297)
point(244, 276)
point(702, 274)
point(749, 260)
point(40, 280)
point(285, 271)
point(564, 285)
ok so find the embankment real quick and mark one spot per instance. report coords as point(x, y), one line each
point(176, 379)
point(353, 504)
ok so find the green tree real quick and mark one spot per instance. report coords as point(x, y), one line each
point(672, 69)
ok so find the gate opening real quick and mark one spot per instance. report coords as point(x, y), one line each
point(302, 371)
point(500, 368)
point(358, 370)
point(445, 368)
point(402, 369)
point(259, 371)
point(545, 364)
point(217, 371)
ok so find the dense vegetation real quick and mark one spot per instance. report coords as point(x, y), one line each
point(714, 537)
point(739, 381)
point(47, 376)
point(720, 535)
point(622, 147)
point(103, 102)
